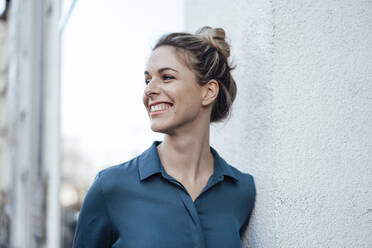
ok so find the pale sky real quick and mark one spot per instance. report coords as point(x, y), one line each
point(2, 6)
point(105, 47)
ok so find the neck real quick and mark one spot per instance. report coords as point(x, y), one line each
point(186, 155)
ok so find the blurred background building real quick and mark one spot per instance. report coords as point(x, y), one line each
point(4, 170)
point(71, 78)
point(71, 83)
point(30, 62)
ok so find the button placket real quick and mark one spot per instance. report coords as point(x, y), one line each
point(197, 202)
point(197, 232)
point(189, 205)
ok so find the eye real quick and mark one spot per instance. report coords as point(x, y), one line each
point(147, 80)
point(167, 77)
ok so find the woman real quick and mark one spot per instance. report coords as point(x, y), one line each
point(179, 192)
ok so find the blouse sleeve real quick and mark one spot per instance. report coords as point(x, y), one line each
point(250, 205)
point(94, 228)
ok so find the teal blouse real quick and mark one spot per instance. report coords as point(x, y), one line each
point(137, 204)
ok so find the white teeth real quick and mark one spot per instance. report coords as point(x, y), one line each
point(161, 106)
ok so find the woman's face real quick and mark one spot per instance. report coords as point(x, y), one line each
point(172, 96)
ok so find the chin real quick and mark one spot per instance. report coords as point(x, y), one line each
point(159, 128)
point(163, 127)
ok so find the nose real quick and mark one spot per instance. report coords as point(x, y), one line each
point(151, 89)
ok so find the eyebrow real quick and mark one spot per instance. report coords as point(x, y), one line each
point(161, 70)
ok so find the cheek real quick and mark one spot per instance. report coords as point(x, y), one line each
point(192, 97)
point(186, 99)
point(190, 102)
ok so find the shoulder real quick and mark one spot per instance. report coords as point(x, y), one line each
point(246, 181)
point(247, 191)
point(243, 177)
point(115, 175)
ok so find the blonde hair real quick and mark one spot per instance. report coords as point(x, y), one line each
point(206, 53)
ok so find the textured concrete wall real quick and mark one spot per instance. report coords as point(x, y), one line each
point(322, 115)
point(302, 120)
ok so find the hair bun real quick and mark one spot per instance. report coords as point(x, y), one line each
point(216, 38)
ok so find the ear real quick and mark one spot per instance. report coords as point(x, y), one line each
point(210, 92)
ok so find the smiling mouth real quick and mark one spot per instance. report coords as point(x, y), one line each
point(159, 108)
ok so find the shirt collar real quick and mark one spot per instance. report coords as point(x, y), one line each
point(149, 164)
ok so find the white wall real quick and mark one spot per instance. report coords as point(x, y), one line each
point(302, 120)
point(322, 116)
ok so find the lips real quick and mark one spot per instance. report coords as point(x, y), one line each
point(159, 107)
point(159, 102)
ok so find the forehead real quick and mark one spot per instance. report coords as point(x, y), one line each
point(165, 56)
